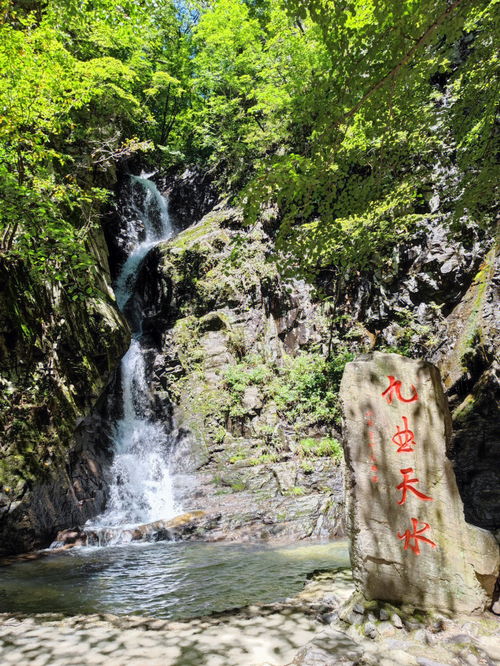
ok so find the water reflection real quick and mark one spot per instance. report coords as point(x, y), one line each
point(167, 580)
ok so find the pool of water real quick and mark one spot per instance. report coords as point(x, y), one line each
point(165, 580)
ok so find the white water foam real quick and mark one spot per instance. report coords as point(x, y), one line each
point(141, 486)
point(150, 212)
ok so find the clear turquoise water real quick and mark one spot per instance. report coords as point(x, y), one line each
point(165, 580)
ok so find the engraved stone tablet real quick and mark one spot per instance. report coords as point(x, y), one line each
point(409, 540)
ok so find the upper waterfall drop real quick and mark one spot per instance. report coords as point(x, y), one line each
point(148, 225)
point(140, 488)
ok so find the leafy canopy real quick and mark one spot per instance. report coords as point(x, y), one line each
point(343, 116)
point(84, 84)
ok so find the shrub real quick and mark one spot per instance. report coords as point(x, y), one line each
point(318, 448)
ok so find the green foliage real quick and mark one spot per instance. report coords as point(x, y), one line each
point(251, 371)
point(317, 448)
point(334, 113)
point(412, 337)
point(343, 116)
point(81, 88)
point(295, 491)
point(238, 485)
point(307, 467)
point(306, 390)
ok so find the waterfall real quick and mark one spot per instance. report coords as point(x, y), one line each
point(140, 489)
point(149, 212)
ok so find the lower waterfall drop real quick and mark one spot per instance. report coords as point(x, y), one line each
point(141, 487)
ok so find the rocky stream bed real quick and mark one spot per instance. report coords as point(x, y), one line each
point(321, 626)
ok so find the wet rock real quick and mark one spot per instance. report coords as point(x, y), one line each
point(159, 530)
point(71, 537)
point(185, 207)
point(231, 447)
point(73, 350)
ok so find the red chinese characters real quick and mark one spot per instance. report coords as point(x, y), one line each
point(404, 439)
point(412, 538)
point(394, 388)
point(407, 485)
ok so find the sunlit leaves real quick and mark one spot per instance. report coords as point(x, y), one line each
point(338, 114)
point(403, 92)
point(74, 79)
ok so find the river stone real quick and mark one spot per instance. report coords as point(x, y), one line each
point(408, 428)
point(159, 530)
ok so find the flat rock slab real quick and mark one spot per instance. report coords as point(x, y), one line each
point(409, 540)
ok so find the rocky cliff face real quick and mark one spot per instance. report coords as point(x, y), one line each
point(236, 346)
point(245, 366)
point(436, 299)
point(468, 359)
point(56, 357)
point(238, 351)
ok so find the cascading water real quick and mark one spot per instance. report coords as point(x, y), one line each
point(149, 211)
point(140, 489)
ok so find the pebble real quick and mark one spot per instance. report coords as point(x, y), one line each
point(397, 644)
point(471, 628)
point(398, 658)
point(386, 629)
point(467, 658)
point(421, 637)
point(491, 646)
point(424, 661)
point(396, 621)
point(459, 638)
point(370, 630)
point(328, 618)
point(412, 625)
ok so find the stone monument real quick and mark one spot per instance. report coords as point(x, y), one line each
point(409, 540)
